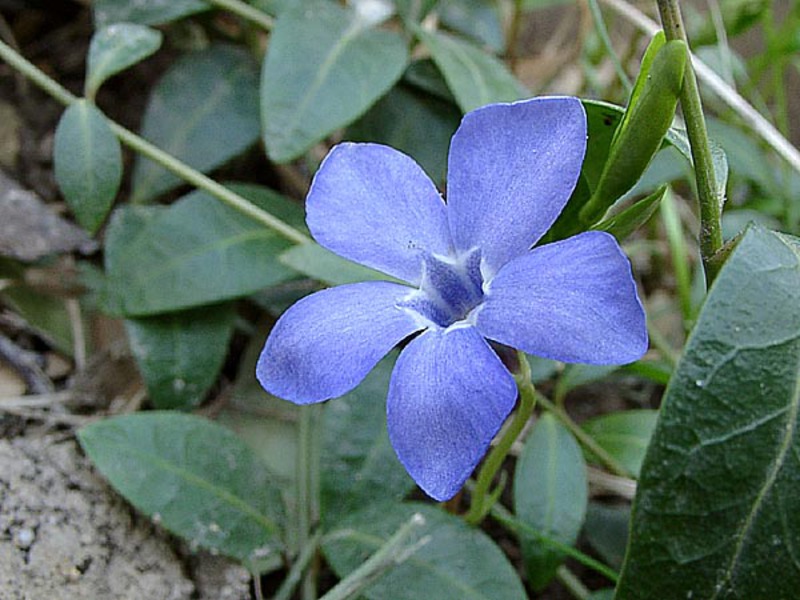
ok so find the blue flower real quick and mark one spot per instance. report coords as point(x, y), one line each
point(472, 276)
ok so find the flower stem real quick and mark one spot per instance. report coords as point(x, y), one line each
point(481, 496)
point(584, 438)
point(142, 146)
point(707, 191)
point(308, 488)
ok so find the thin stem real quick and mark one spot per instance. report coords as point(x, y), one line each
point(501, 514)
point(299, 566)
point(710, 200)
point(570, 581)
point(723, 91)
point(395, 551)
point(154, 153)
point(602, 31)
point(245, 11)
point(584, 438)
point(481, 497)
point(513, 35)
point(308, 487)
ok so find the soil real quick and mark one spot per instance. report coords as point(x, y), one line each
point(65, 534)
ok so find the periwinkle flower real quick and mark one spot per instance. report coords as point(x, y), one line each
point(472, 276)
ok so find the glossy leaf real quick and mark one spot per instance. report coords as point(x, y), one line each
point(324, 68)
point(624, 223)
point(639, 136)
point(456, 561)
point(149, 12)
point(550, 495)
point(180, 354)
point(193, 477)
point(115, 48)
point(88, 163)
point(198, 251)
point(717, 514)
point(416, 124)
point(203, 111)
point(359, 467)
point(475, 77)
point(624, 435)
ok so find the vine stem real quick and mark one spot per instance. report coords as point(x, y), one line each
point(482, 499)
point(145, 148)
point(707, 190)
point(584, 438)
point(308, 492)
point(245, 11)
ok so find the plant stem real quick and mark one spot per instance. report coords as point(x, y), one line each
point(513, 35)
point(710, 199)
point(154, 153)
point(481, 503)
point(245, 11)
point(584, 438)
point(570, 581)
point(307, 554)
point(308, 488)
point(602, 31)
point(395, 551)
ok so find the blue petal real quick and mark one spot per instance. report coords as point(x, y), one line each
point(448, 397)
point(326, 343)
point(511, 170)
point(574, 301)
point(375, 206)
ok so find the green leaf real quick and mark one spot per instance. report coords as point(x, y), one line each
point(550, 495)
point(192, 476)
point(578, 374)
point(203, 111)
point(414, 123)
point(115, 48)
point(477, 19)
point(640, 135)
point(198, 251)
point(359, 466)
point(180, 354)
point(717, 512)
point(624, 435)
point(88, 163)
point(606, 529)
point(624, 223)
point(321, 264)
point(456, 561)
point(475, 77)
point(324, 68)
point(148, 12)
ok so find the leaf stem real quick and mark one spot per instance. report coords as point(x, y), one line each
point(584, 438)
point(245, 11)
point(710, 199)
point(307, 554)
point(395, 551)
point(482, 498)
point(142, 146)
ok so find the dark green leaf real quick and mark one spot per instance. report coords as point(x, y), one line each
point(203, 111)
point(717, 512)
point(550, 495)
point(192, 476)
point(359, 466)
point(180, 354)
point(147, 12)
point(639, 136)
point(115, 48)
point(624, 435)
point(624, 223)
point(198, 251)
point(457, 561)
point(324, 68)
point(416, 124)
point(475, 77)
point(88, 163)
point(323, 265)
